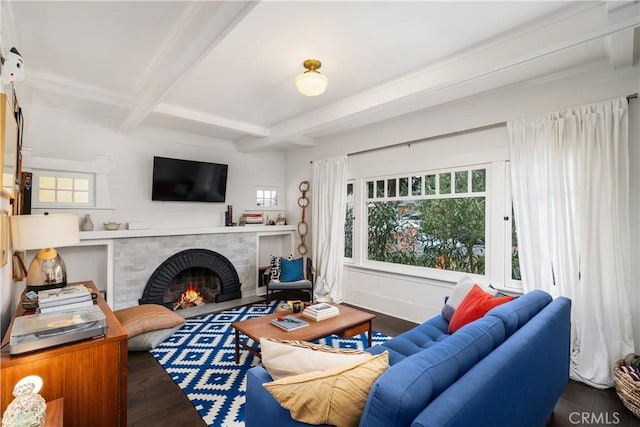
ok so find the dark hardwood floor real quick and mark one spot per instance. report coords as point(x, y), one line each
point(155, 400)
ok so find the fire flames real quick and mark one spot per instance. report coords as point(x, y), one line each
point(189, 298)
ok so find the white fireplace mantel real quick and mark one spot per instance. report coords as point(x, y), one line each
point(120, 234)
point(107, 240)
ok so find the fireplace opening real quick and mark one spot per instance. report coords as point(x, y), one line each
point(192, 287)
point(192, 277)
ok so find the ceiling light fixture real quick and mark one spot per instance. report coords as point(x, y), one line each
point(311, 82)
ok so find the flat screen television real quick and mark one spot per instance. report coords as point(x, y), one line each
point(188, 181)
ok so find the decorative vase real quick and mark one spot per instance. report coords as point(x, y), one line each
point(86, 224)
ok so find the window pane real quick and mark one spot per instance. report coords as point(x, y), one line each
point(348, 223)
point(430, 185)
point(515, 260)
point(404, 187)
point(47, 182)
point(65, 184)
point(47, 196)
point(453, 233)
point(391, 188)
point(81, 184)
point(392, 237)
point(437, 233)
point(370, 189)
point(416, 185)
point(259, 194)
point(462, 182)
point(80, 197)
point(379, 188)
point(478, 180)
point(445, 183)
point(64, 197)
point(267, 203)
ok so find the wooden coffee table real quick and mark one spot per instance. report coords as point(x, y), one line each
point(350, 322)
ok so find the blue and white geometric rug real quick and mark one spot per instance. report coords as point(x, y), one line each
point(200, 358)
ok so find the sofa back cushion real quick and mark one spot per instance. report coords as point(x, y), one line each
point(414, 340)
point(404, 389)
point(519, 311)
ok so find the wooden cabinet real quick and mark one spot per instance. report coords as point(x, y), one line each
point(90, 375)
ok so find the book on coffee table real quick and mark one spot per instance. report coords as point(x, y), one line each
point(320, 311)
point(289, 323)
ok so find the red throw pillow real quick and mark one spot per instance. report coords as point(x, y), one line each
point(474, 306)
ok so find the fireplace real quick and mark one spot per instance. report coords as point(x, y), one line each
point(192, 277)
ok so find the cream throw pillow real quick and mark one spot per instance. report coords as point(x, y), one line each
point(283, 358)
point(336, 396)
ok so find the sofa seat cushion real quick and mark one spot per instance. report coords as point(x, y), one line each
point(519, 311)
point(407, 387)
point(414, 340)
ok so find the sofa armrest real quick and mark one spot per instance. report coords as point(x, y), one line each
point(261, 408)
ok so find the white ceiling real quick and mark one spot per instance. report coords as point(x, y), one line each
point(226, 69)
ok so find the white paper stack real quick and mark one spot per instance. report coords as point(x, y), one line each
point(69, 298)
point(320, 311)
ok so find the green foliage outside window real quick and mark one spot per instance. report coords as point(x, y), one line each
point(348, 232)
point(437, 233)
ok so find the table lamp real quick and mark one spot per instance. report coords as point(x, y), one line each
point(44, 232)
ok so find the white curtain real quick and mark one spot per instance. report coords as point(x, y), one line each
point(570, 188)
point(328, 207)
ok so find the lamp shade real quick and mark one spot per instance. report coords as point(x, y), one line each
point(43, 231)
point(311, 82)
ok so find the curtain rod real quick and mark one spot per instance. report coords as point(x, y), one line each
point(429, 138)
point(445, 135)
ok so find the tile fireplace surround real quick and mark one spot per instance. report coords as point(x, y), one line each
point(133, 255)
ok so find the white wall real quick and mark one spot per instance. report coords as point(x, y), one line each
point(417, 299)
point(56, 134)
point(53, 133)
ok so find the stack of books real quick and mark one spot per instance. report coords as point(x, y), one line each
point(69, 298)
point(251, 218)
point(320, 311)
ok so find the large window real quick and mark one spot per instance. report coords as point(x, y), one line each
point(435, 219)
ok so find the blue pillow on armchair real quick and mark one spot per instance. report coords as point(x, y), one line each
point(291, 270)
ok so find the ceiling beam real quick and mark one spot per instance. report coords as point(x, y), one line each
point(77, 89)
point(463, 75)
point(619, 48)
point(200, 28)
point(217, 121)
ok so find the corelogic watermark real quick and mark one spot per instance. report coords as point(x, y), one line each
point(594, 418)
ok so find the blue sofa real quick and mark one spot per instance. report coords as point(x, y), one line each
point(508, 368)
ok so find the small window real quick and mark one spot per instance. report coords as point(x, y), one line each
point(267, 198)
point(63, 189)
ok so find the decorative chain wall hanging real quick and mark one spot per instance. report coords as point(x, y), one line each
point(303, 202)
